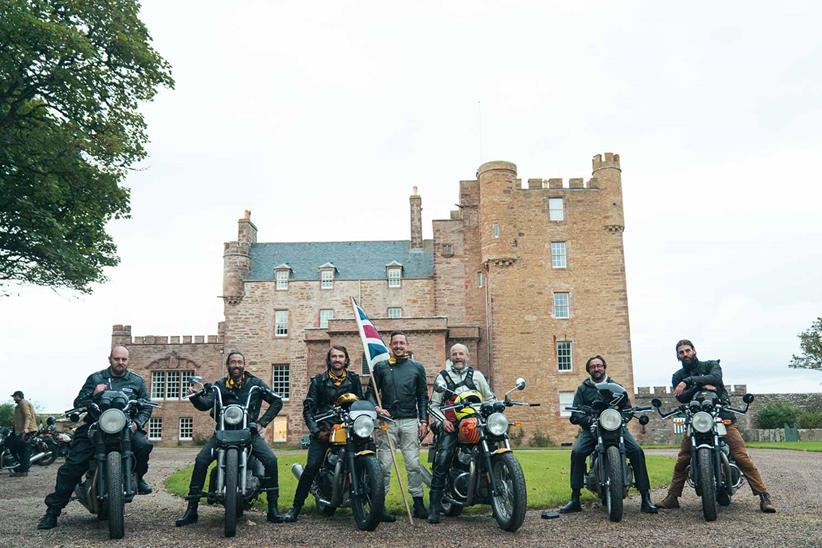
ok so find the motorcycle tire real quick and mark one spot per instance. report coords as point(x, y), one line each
point(616, 484)
point(49, 449)
point(510, 504)
point(368, 506)
point(707, 483)
point(115, 502)
point(231, 501)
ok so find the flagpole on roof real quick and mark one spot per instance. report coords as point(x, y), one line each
point(372, 361)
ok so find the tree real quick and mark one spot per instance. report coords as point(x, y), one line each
point(7, 414)
point(810, 342)
point(72, 75)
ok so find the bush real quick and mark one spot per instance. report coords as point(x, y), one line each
point(516, 435)
point(538, 439)
point(777, 415)
point(810, 419)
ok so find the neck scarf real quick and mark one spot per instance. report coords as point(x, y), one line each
point(335, 379)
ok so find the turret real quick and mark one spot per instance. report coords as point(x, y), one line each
point(416, 220)
point(120, 335)
point(608, 175)
point(497, 181)
point(237, 261)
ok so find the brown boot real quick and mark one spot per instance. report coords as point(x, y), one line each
point(669, 502)
point(765, 504)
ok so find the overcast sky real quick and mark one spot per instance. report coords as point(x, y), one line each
point(319, 117)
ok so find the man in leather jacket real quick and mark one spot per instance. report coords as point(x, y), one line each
point(404, 395)
point(458, 377)
point(81, 449)
point(234, 388)
point(586, 395)
point(323, 391)
point(694, 376)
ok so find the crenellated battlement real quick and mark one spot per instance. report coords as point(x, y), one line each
point(606, 161)
point(557, 183)
point(662, 391)
point(121, 334)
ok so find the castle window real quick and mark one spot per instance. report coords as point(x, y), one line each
point(562, 308)
point(326, 279)
point(365, 369)
point(447, 250)
point(565, 358)
point(566, 399)
point(325, 315)
point(155, 428)
point(479, 279)
point(394, 312)
point(281, 277)
point(170, 385)
point(558, 256)
point(186, 432)
point(495, 230)
point(281, 380)
point(395, 277)
point(556, 209)
point(280, 429)
point(281, 323)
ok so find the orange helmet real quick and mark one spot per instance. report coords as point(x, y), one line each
point(468, 431)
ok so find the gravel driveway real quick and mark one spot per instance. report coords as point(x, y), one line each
point(791, 475)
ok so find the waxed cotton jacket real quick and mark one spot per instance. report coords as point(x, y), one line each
point(698, 375)
point(587, 393)
point(403, 389)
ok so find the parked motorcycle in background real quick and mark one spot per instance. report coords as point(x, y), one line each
point(40, 452)
point(713, 473)
point(609, 473)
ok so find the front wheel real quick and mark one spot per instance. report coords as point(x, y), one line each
point(115, 503)
point(368, 506)
point(707, 483)
point(616, 486)
point(230, 501)
point(511, 500)
point(50, 450)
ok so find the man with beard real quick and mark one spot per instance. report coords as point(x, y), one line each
point(458, 377)
point(81, 450)
point(25, 425)
point(323, 391)
point(586, 395)
point(404, 395)
point(234, 388)
point(694, 376)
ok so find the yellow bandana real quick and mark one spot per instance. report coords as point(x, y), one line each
point(229, 382)
point(393, 360)
point(337, 380)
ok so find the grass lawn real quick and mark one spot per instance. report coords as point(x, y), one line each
point(815, 446)
point(546, 474)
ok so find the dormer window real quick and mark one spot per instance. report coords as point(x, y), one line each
point(281, 275)
point(327, 276)
point(393, 271)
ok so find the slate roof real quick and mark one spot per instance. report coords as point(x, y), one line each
point(354, 260)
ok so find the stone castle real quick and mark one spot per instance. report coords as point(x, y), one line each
point(530, 277)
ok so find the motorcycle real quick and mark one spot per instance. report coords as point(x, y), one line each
point(39, 450)
point(236, 480)
point(110, 481)
point(712, 472)
point(350, 473)
point(56, 442)
point(484, 469)
point(609, 474)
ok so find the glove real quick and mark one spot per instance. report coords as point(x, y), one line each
point(253, 427)
point(323, 436)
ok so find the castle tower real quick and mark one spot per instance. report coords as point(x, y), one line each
point(416, 219)
point(608, 175)
point(236, 260)
point(497, 181)
point(120, 335)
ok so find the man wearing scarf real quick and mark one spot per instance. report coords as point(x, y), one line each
point(404, 395)
point(323, 391)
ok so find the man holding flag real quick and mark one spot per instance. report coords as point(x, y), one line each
point(399, 389)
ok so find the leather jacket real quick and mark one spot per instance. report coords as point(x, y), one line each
point(132, 384)
point(322, 393)
point(204, 401)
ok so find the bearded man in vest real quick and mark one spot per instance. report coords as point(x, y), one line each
point(458, 377)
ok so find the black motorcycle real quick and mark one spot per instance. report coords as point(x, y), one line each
point(712, 472)
point(609, 474)
point(350, 473)
point(40, 452)
point(484, 469)
point(236, 480)
point(56, 443)
point(110, 481)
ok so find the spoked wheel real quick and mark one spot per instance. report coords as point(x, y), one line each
point(115, 504)
point(511, 500)
point(613, 495)
point(708, 483)
point(368, 506)
point(231, 501)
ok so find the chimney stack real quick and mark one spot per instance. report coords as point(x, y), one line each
point(416, 220)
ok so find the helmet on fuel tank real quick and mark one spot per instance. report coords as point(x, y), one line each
point(467, 397)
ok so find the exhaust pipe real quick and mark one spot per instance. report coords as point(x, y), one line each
point(297, 470)
point(37, 457)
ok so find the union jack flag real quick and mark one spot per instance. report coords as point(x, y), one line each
point(375, 349)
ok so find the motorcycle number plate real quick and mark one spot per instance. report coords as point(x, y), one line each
point(720, 429)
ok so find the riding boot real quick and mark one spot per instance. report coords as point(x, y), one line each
point(572, 505)
point(273, 513)
point(291, 515)
point(419, 508)
point(669, 502)
point(765, 504)
point(434, 506)
point(190, 515)
point(647, 504)
point(143, 488)
point(49, 521)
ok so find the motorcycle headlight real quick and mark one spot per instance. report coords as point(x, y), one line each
point(610, 419)
point(233, 414)
point(702, 422)
point(363, 426)
point(497, 424)
point(112, 421)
